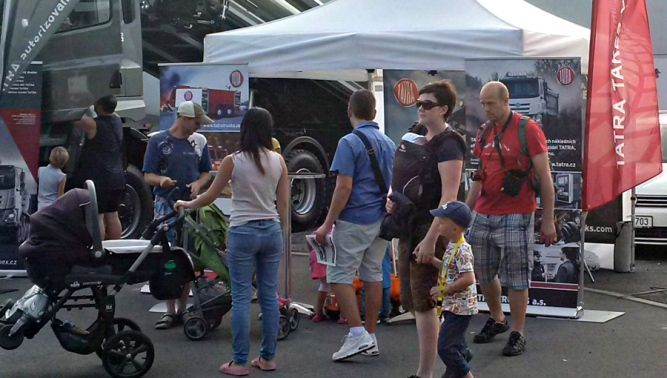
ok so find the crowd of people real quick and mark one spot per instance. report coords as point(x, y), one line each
point(450, 244)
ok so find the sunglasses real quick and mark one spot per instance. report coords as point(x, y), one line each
point(427, 105)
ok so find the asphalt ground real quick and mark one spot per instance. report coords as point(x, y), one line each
point(632, 345)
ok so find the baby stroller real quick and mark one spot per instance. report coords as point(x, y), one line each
point(64, 255)
point(205, 235)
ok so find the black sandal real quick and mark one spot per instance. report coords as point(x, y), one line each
point(165, 322)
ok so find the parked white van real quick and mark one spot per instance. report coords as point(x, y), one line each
point(651, 207)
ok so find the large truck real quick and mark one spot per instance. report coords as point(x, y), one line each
point(97, 50)
point(531, 95)
point(14, 202)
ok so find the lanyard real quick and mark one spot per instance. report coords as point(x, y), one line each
point(444, 272)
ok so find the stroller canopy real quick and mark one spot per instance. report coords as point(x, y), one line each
point(58, 232)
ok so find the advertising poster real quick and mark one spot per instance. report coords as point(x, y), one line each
point(20, 111)
point(550, 92)
point(221, 89)
point(401, 91)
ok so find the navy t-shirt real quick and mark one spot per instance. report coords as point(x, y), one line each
point(182, 160)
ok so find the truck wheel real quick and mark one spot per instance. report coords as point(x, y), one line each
point(136, 207)
point(224, 111)
point(308, 196)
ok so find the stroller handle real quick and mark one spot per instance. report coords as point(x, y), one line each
point(152, 227)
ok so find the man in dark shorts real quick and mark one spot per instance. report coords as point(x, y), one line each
point(103, 162)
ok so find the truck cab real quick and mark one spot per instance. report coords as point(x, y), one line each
point(651, 205)
point(531, 96)
point(14, 202)
point(97, 51)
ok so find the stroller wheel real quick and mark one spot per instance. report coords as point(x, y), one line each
point(120, 325)
point(196, 328)
point(128, 354)
point(284, 328)
point(13, 342)
point(293, 316)
point(214, 321)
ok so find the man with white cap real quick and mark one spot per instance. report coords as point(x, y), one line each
point(178, 157)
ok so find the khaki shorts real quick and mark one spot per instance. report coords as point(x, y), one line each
point(358, 248)
point(418, 279)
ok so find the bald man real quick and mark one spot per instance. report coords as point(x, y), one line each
point(504, 207)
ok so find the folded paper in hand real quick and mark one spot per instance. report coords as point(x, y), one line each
point(326, 254)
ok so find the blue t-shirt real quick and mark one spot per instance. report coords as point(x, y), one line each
point(182, 160)
point(366, 203)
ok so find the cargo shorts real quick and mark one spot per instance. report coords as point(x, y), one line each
point(417, 279)
point(358, 248)
point(503, 248)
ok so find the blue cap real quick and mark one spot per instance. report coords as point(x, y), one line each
point(457, 211)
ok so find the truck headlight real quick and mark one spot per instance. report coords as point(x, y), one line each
point(538, 118)
point(9, 216)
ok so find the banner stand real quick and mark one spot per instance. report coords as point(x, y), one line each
point(580, 294)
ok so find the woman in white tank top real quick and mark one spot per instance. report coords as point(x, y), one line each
point(260, 202)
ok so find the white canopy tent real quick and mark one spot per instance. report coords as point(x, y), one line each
point(343, 38)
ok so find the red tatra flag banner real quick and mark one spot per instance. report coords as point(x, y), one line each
point(622, 133)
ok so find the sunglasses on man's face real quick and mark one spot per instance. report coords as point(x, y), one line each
point(427, 105)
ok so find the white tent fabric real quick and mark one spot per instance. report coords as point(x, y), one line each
point(355, 35)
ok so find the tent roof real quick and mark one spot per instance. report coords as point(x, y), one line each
point(355, 35)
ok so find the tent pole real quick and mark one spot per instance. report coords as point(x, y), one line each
point(582, 264)
point(370, 79)
point(633, 203)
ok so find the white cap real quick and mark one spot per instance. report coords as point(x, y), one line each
point(193, 110)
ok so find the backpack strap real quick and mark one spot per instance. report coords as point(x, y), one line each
point(379, 178)
point(523, 123)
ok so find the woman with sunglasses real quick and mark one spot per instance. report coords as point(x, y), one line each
point(258, 176)
point(440, 180)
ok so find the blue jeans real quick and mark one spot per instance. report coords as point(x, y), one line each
point(256, 245)
point(452, 343)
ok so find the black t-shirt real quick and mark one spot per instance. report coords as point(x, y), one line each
point(441, 150)
point(102, 156)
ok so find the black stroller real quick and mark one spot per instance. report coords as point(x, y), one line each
point(64, 254)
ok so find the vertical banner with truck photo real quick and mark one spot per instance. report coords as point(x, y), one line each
point(221, 89)
point(20, 108)
point(401, 91)
point(550, 92)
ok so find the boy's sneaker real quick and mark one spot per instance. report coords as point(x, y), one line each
point(515, 345)
point(354, 345)
point(490, 330)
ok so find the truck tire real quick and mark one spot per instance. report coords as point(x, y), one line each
point(224, 111)
point(136, 207)
point(308, 196)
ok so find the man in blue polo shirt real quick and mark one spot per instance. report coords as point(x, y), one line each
point(357, 208)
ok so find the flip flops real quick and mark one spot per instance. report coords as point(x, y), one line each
point(236, 370)
point(263, 364)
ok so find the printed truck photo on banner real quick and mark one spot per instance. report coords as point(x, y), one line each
point(401, 91)
point(223, 92)
point(19, 160)
point(547, 90)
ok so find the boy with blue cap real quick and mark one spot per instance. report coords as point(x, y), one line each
point(456, 293)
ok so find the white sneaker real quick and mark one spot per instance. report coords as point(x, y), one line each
point(354, 345)
point(374, 351)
